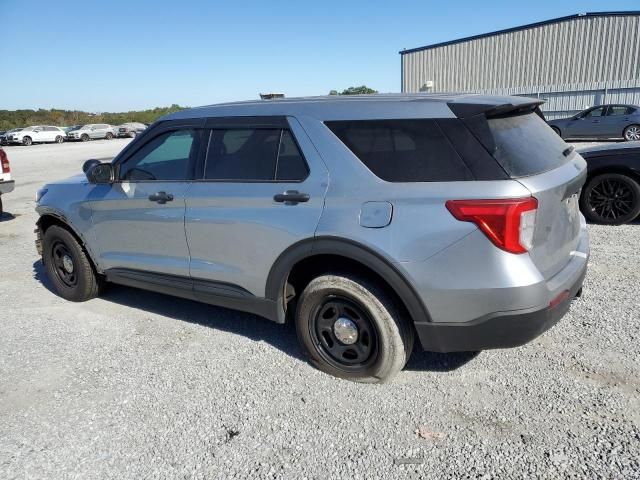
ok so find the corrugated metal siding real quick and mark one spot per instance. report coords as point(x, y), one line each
point(565, 62)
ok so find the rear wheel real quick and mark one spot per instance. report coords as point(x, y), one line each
point(84, 137)
point(611, 198)
point(68, 266)
point(352, 329)
point(59, 139)
point(27, 141)
point(631, 133)
point(109, 136)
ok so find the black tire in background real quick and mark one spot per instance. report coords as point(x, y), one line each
point(631, 133)
point(611, 199)
point(1, 210)
point(384, 339)
point(68, 266)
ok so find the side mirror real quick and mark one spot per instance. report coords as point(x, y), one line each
point(100, 173)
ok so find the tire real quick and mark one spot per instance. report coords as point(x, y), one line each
point(84, 137)
point(59, 139)
point(1, 209)
point(557, 131)
point(26, 141)
point(631, 133)
point(74, 278)
point(611, 199)
point(108, 136)
point(384, 339)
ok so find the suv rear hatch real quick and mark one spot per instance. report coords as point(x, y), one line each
point(530, 152)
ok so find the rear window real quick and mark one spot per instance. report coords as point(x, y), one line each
point(525, 145)
point(402, 150)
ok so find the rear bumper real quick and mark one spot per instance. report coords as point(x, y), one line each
point(8, 186)
point(500, 330)
point(512, 327)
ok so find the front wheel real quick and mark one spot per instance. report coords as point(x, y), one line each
point(84, 137)
point(68, 266)
point(27, 141)
point(611, 198)
point(351, 328)
point(632, 133)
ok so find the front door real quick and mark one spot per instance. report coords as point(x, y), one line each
point(138, 222)
point(262, 190)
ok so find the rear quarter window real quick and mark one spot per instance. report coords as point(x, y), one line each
point(525, 145)
point(402, 150)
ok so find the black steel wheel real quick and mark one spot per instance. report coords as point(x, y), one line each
point(63, 264)
point(611, 198)
point(344, 333)
point(352, 328)
point(68, 265)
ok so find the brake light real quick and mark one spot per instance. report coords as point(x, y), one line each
point(5, 161)
point(508, 223)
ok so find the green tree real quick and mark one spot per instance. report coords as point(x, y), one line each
point(361, 90)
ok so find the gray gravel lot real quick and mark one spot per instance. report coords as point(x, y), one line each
point(135, 384)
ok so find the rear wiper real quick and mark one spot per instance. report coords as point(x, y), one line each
point(567, 151)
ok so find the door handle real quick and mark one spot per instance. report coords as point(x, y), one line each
point(161, 197)
point(291, 197)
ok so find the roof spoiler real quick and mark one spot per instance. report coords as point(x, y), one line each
point(465, 110)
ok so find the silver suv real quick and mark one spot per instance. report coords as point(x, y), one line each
point(91, 131)
point(367, 221)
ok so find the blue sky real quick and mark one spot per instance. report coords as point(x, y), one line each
point(115, 55)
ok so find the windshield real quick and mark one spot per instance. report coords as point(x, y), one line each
point(76, 127)
point(15, 130)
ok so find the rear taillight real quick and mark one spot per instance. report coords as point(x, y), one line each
point(508, 223)
point(5, 161)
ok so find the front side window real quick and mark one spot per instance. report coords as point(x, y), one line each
point(166, 157)
point(402, 150)
point(596, 112)
point(254, 154)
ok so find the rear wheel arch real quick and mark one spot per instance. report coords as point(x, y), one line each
point(302, 262)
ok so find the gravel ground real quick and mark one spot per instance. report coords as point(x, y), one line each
point(135, 384)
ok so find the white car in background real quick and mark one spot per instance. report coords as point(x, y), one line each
point(37, 134)
point(91, 131)
point(6, 184)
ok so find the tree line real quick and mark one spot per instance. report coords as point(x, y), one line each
point(23, 118)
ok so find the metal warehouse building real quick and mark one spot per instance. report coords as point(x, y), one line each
point(571, 62)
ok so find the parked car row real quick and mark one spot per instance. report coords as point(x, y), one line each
point(601, 122)
point(84, 133)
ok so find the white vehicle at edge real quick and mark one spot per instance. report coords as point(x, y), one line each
point(37, 134)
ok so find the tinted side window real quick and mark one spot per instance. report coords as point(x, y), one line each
point(402, 150)
point(166, 157)
point(596, 112)
point(617, 110)
point(291, 165)
point(525, 145)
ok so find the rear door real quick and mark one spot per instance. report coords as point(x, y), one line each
point(554, 173)
point(138, 222)
point(616, 119)
point(261, 190)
